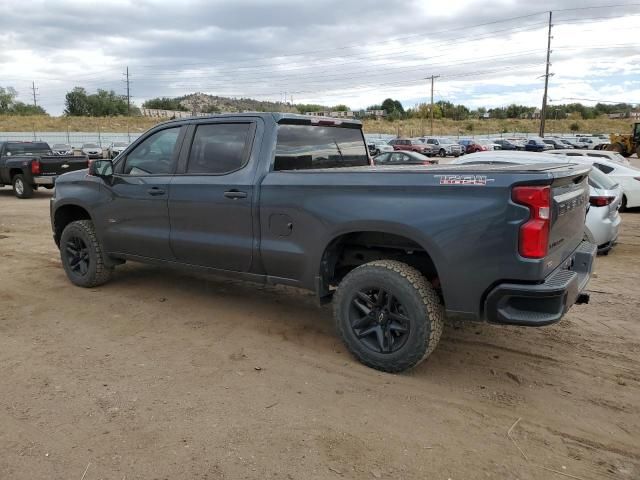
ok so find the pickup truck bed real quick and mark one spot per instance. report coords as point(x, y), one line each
point(395, 248)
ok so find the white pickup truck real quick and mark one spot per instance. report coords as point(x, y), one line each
point(444, 146)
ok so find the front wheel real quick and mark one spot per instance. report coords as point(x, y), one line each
point(21, 188)
point(388, 315)
point(82, 256)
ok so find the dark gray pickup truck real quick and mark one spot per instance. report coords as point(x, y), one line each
point(29, 165)
point(288, 199)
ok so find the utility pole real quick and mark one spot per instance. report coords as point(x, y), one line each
point(33, 88)
point(432, 77)
point(543, 111)
point(128, 94)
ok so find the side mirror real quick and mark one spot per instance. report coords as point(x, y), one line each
point(101, 168)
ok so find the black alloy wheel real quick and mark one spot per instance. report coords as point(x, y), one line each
point(379, 320)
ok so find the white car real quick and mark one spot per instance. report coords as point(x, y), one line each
point(92, 150)
point(379, 146)
point(443, 146)
point(605, 195)
point(116, 148)
point(627, 176)
point(612, 156)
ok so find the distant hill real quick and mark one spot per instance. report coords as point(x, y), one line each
point(202, 102)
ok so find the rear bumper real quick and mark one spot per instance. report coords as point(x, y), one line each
point(544, 303)
point(45, 180)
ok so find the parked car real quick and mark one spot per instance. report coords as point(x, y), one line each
point(602, 220)
point(29, 165)
point(612, 156)
point(411, 144)
point(403, 158)
point(62, 149)
point(555, 143)
point(506, 144)
point(627, 176)
point(567, 143)
point(376, 147)
point(536, 145)
point(589, 142)
point(116, 148)
point(443, 146)
point(471, 146)
point(92, 150)
point(384, 244)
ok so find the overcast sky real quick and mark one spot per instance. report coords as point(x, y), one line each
point(487, 52)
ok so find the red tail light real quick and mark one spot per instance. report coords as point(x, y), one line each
point(534, 233)
point(35, 167)
point(601, 201)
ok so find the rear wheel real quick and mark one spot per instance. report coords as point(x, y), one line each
point(21, 188)
point(82, 255)
point(442, 153)
point(388, 315)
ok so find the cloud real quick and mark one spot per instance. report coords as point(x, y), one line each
point(331, 51)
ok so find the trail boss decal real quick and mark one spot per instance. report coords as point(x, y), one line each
point(464, 179)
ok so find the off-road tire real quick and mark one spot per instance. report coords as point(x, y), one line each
point(419, 300)
point(98, 272)
point(21, 188)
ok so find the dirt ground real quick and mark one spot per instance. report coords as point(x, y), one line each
point(163, 374)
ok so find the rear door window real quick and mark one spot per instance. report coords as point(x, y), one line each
point(600, 180)
point(603, 168)
point(302, 147)
point(219, 148)
point(384, 158)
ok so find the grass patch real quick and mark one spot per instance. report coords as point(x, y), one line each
point(409, 128)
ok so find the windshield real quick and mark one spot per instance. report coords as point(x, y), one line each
point(28, 148)
point(301, 147)
point(61, 146)
point(90, 145)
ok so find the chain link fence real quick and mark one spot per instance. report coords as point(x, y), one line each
point(75, 139)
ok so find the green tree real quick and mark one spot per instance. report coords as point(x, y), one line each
point(340, 108)
point(100, 104)
point(394, 109)
point(310, 107)
point(164, 103)
point(76, 102)
point(9, 105)
point(7, 97)
point(21, 108)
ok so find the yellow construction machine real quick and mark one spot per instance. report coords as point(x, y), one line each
point(626, 144)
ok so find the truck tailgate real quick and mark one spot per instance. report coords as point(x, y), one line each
point(57, 165)
point(570, 200)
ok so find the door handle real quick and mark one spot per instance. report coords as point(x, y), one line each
point(155, 191)
point(235, 194)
